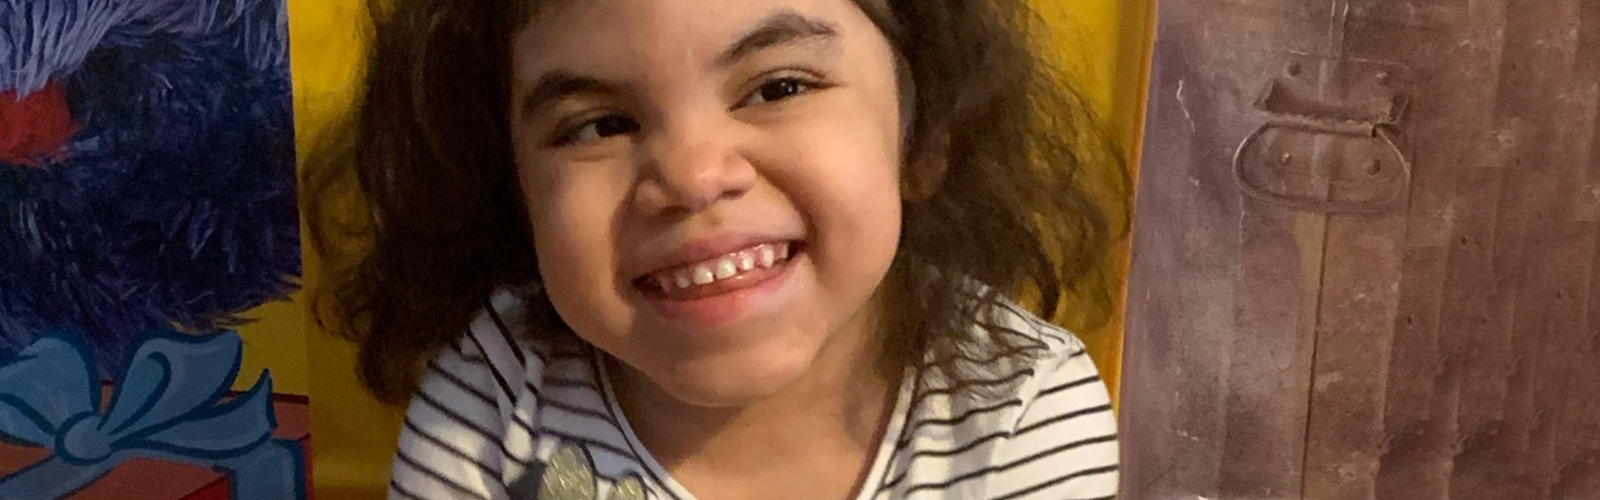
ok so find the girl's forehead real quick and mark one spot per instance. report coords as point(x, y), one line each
point(568, 32)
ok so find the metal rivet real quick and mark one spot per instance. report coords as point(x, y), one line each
point(1293, 69)
point(1286, 159)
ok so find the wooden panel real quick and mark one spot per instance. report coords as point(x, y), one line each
point(1184, 285)
point(1446, 348)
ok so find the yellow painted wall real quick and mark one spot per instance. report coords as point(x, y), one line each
point(353, 436)
point(1105, 42)
point(1105, 46)
point(276, 341)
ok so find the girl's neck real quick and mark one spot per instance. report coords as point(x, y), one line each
point(832, 417)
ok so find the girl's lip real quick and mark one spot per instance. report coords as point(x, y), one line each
point(715, 308)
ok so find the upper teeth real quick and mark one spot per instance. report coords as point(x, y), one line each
point(727, 266)
point(767, 256)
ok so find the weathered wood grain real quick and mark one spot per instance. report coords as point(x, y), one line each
point(1446, 349)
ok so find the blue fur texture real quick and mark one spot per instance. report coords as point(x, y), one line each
point(174, 205)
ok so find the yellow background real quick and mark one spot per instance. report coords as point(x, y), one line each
point(1105, 46)
point(1104, 42)
point(276, 341)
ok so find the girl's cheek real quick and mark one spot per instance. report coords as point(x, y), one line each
point(575, 205)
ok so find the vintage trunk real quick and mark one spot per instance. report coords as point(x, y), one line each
point(1367, 255)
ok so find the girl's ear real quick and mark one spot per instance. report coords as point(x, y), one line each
point(925, 169)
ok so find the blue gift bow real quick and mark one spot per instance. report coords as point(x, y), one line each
point(163, 407)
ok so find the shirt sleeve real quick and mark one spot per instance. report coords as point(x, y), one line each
point(452, 443)
point(1064, 445)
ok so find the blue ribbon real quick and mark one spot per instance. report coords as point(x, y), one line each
point(163, 407)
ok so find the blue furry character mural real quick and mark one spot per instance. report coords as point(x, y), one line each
point(146, 201)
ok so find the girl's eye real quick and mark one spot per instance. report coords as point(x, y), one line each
point(598, 128)
point(778, 90)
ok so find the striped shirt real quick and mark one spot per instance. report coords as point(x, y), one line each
point(498, 415)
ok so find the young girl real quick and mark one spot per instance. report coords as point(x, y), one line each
point(695, 249)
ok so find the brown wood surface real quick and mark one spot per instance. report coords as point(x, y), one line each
point(1448, 348)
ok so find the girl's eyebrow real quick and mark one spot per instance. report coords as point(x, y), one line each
point(557, 85)
point(785, 27)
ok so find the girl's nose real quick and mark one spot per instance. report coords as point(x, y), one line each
point(687, 173)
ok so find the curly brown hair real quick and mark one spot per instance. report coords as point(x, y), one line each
point(416, 218)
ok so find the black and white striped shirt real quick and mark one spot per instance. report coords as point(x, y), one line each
point(494, 409)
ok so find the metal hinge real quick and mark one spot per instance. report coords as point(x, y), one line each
point(1329, 144)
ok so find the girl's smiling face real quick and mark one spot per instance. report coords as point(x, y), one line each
point(713, 187)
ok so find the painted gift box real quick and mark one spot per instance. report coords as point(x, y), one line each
point(168, 428)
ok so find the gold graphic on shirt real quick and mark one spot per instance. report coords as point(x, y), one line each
point(628, 489)
point(570, 476)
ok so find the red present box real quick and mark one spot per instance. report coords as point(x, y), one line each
point(152, 479)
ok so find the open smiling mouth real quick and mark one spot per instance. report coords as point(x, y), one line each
point(730, 272)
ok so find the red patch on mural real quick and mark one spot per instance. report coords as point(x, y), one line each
point(35, 128)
